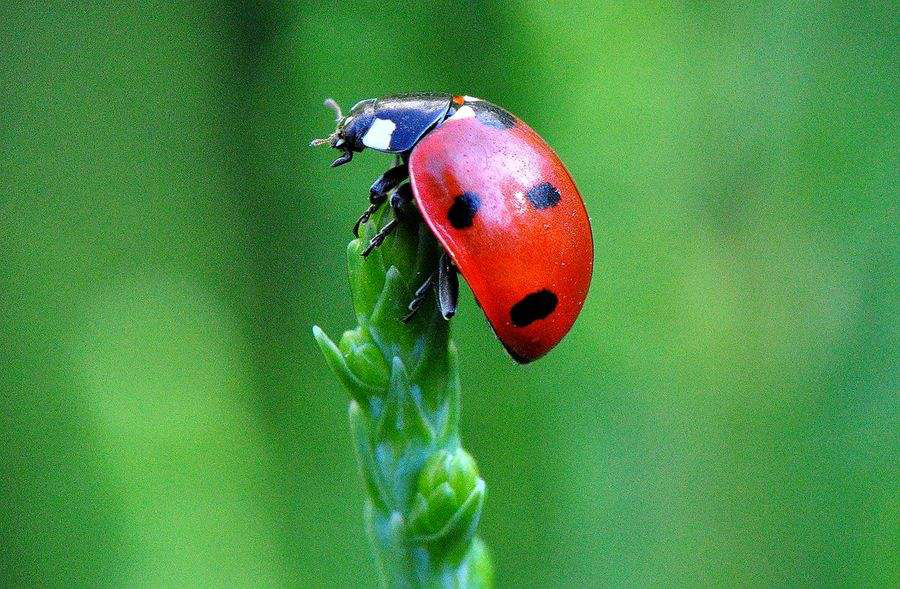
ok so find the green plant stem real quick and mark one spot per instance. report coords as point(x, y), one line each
point(424, 494)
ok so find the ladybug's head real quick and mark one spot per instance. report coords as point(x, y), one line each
point(348, 137)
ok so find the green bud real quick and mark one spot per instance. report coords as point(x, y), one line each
point(448, 499)
point(364, 359)
point(454, 467)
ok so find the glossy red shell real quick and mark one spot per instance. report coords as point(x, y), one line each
point(513, 248)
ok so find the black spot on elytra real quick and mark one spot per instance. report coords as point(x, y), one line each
point(544, 196)
point(537, 305)
point(492, 115)
point(463, 210)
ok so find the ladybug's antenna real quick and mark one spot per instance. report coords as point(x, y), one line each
point(333, 105)
point(325, 141)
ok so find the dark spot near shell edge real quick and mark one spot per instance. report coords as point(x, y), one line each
point(544, 196)
point(532, 307)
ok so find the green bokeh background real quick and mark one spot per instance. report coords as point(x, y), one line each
point(724, 411)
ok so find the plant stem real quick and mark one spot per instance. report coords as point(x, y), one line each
point(424, 492)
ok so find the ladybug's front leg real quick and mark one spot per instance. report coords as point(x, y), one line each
point(399, 200)
point(379, 191)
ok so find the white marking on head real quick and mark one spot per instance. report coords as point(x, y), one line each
point(379, 134)
point(464, 112)
point(471, 99)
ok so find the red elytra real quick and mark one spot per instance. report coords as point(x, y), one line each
point(505, 208)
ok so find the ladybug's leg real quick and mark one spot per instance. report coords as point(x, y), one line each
point(447, 289)
point(419, 298)
point(401, 197)
point(343, 159)
point(399, 200)
point(388, 181)
point(380, 236)
point(379, 191)
point(364, 218)
point(447, 286)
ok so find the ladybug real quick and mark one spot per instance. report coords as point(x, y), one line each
point(497, 198)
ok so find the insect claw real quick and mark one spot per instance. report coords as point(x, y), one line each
point(364, 218)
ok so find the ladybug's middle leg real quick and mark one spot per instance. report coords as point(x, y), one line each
point(380, 190)
point(419, 297)
point(447, 286)
point(401, 197)
point(447, 289)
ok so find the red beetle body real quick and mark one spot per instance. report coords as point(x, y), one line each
point(499, 201)
point(503, 205)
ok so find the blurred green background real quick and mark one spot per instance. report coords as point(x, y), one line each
point(724, 411)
